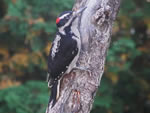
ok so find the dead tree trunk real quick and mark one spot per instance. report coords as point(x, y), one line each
point(78, 89)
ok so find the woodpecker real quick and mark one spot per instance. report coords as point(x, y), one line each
point(64, 52)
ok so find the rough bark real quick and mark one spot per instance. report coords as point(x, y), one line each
point(78, 89)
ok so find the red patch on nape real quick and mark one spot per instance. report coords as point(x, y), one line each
point(57, 20)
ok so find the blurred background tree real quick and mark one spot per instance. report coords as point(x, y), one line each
point(27, 28)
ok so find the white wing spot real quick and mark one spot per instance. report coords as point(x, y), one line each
point(56, 46)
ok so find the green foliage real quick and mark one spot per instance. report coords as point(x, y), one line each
point(124, 50)
point(135, 8)
point(27, 29)
point(104, 95)
point(29, 98)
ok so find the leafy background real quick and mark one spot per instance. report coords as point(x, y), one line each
point(27, 28)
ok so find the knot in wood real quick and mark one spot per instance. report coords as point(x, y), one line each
point(102, 15)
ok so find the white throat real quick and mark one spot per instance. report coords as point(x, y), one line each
point(61, 30)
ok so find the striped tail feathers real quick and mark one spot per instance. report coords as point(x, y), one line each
point(50, 80)
point(55, 90)
point(52, 100)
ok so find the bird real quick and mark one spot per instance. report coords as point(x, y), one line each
point(64, 52)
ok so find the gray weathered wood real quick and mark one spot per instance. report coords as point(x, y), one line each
point(78, 89)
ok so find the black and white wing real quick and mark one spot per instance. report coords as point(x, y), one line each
point(62, 53)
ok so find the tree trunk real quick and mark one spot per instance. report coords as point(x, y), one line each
point(78, 88)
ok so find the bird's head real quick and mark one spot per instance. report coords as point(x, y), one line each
point(66, 17)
